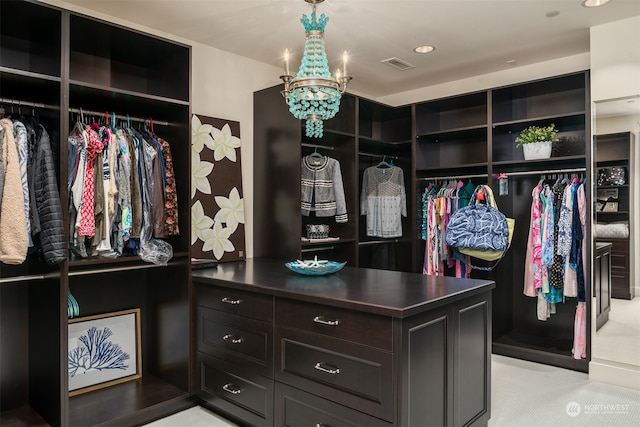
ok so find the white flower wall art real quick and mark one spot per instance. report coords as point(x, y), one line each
point(217, 206)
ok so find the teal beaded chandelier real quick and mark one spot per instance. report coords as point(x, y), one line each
point(314, 94)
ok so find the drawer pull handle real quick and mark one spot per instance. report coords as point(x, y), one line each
point(233, 339)
point(229, 388)
point(321, 319)
point(322, 425)
point(327, 368)
point(231, 301)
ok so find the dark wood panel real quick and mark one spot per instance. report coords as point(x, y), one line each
point(472, 373)
point(427, 370)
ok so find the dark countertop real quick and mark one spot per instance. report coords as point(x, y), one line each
point(389, 293)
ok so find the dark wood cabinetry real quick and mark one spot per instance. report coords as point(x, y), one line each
point(471, 136)
point(367, 356)
point(53, 62)
point(613, 206)
point(602, 283)
point(363, 134)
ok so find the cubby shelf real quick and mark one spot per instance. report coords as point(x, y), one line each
point(109, 68)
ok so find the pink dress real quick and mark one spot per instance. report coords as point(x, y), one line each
point(533, 258)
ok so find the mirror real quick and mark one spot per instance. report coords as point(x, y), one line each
point(616, 130)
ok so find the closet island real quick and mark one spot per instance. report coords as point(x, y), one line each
point(359, 347)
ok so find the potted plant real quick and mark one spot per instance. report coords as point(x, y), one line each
point(536, 141)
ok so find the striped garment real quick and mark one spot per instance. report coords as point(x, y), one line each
point(322, 190)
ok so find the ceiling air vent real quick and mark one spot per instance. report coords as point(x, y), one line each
point(398, 63)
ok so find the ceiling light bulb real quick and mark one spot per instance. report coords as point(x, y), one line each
point(424, 49)
point(594, 3)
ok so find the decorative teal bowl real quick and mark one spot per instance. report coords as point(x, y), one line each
point(314, 267)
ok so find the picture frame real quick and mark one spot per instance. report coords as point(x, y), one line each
point(104, 350)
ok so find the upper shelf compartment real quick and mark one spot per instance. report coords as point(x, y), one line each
point(30, 37)
point(452, 114)
point(383, 123)
point(540, 100)
point(113, 57)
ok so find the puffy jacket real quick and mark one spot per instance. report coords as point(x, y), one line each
point(46, 224)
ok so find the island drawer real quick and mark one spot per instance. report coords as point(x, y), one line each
point(355, 326)
point(233, 301)
point(351, 374)
point(232, 390)
point(235, 339)
point(295, 408)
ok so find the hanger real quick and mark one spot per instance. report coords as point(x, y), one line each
point(383, 163)
point(315, 153)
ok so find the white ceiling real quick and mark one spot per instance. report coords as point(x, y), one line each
point(471, 37)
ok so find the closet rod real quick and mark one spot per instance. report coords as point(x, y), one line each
point(377, 242)
point(118, 116)
point(324, 147)
point(377, 155)
point(548, 171)
point(319, 248)
point(444, 178)
point(27, 277)
point(28, 104)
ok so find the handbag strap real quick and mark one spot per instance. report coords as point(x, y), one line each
point(477, 267)
point(489, 199)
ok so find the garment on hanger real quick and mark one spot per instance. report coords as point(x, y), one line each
point(553, 262)
point(383, 201)
point(322, 190)
point(127, 170)
point(439, 202)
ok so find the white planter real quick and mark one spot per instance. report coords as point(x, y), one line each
point(537, 150)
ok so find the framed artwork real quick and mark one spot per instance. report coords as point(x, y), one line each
point(104, 350)
point(217, 203)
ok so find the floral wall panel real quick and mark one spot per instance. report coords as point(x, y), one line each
point(217, 204)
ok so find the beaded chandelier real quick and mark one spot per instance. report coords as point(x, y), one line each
point(314, 94)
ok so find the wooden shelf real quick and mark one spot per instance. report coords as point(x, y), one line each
point(24, 416)
point(119, 404)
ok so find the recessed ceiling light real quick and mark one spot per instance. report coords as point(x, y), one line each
point(424, 49)
point(594, 3)
point(552, 14)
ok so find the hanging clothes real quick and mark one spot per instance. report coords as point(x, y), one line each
point(554, 268)
point(322, 190)
point(13, 225)
point(383, 201)
point(117, 191)
point(438, 204)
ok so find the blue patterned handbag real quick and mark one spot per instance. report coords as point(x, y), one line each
point(479, 226)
